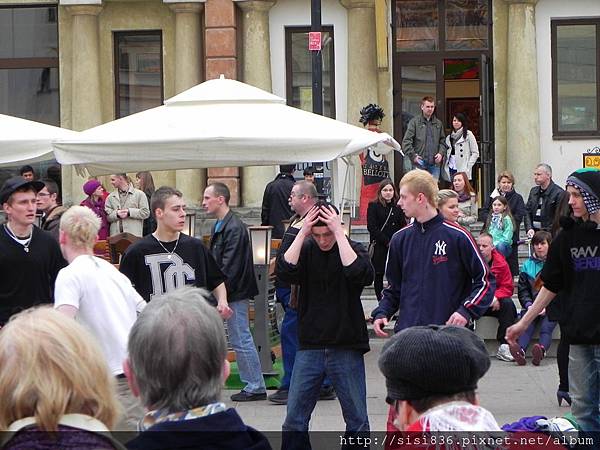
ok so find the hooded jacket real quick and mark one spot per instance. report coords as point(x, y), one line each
point(434, 269)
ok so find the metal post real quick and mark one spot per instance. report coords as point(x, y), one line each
point(317, 83)
point(261, 319)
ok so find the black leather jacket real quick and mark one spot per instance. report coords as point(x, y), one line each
point(551, 199)
point(230, 246)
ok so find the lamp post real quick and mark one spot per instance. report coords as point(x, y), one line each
point(260, 237)
point(190, 223)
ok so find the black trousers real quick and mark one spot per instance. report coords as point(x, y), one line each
point(506, 316)
point(562, 359)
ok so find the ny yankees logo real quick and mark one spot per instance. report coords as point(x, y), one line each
point(439, 254)
point(177, 274)
point(440, 248)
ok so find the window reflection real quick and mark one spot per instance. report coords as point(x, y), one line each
point(28, 32)
point(466, 24)
point(417, 25)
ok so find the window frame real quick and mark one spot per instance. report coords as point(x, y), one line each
point(556, 133)
point(289, 30)
point(116, 35)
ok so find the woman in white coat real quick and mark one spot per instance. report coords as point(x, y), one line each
point(462, 150)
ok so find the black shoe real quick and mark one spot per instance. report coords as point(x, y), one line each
point(563, 395)
point(244, 396)
point(280, 397)
point(327, 393)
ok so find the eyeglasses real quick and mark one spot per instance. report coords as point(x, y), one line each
point(43, 194)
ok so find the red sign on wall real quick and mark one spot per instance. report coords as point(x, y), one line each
point(314, 40)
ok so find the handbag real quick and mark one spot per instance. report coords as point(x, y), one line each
point(371, 248)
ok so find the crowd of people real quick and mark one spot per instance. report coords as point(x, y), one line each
point(148, 352)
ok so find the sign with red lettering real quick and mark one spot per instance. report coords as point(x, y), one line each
point(314, 40)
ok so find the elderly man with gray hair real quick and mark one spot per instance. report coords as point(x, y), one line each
point(177, 365)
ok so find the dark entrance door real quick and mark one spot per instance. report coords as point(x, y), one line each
point(442, 49)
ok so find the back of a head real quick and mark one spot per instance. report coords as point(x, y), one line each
point(81, 225)
point(421, 182)
point(177, 349)
point(287, 168)
point(432, 361)
point(55, 368)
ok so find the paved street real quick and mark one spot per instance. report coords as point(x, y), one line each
point(508, 391)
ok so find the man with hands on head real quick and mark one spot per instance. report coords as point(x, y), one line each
point(331, 271)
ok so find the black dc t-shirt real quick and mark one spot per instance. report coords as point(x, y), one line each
point(153, 271)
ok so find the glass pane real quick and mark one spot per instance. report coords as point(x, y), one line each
point(417, 27)
point(30, 94)
point(576, 77)
point(28, 32)
point(466, 24)
point(461, 69)
point(140, 72)
point(417, 82)
point(301, 59)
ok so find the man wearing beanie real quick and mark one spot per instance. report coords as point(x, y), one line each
point(573, 268)
point(431, 374)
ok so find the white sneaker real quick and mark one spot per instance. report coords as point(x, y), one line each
point(503, 353)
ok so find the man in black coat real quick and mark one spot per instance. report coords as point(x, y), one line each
point(275, 204)
point(230, 246)
point(543, 201)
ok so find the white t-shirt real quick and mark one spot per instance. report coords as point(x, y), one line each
point(106, 301)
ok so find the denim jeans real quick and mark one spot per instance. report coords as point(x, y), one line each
point(433, 169)
point(346, 370)
point(546, 329)
point(289, 336)
point(242, 343)
point(504, 249)
point(584, 385)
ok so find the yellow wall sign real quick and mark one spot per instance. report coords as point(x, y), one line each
point(591, 160)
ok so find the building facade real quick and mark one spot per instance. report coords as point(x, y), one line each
point(524, 71)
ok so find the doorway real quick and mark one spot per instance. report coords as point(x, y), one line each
point(442, 49)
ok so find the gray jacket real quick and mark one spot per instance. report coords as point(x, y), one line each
point(413, 143)
point(137, 204)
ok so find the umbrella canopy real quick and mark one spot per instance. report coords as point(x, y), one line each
point(24, 141)
point(217, 123)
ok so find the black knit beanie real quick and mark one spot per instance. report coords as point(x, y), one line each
point(587, 181)
point(431, 360)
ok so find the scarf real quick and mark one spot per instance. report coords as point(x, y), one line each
point(458, 416)
point(463, 197)
point(160, 415)
point(497, 221)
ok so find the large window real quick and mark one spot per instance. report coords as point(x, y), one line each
point(430, 25)
point(29, 86)
point(575, 77)
point(138, 71)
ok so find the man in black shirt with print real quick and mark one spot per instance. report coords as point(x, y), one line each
point(168, 259)
point(331, 271)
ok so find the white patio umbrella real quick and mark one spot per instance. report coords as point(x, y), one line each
point(217, 123)
point(25, 141)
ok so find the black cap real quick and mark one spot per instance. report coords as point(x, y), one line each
point(432, 360)
point(14, 183)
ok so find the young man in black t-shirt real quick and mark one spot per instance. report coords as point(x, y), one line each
point(572, 268)
point(30, 258)
point(168, 259)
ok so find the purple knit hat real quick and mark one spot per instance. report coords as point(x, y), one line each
point(90, 186)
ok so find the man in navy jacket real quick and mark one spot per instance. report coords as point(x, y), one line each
point(435, 272)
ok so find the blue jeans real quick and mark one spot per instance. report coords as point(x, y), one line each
point(346, 370)
point(504, 248)
point(433, 169)
point(289, 338)
point(584, 385)
point(242, 343)
point(546, 329)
